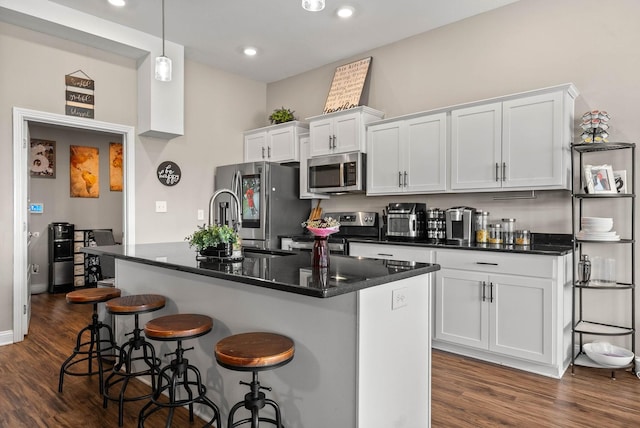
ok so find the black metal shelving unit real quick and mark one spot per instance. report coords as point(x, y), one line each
point(581, 324)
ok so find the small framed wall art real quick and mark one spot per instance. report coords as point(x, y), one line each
point(43, 158)
point(84, 172)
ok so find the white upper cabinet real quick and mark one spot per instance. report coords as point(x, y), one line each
point(520, 142)
point(341, 131)
point(407, 155)
point(276, 143)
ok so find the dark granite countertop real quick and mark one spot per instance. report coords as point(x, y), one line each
point(542, 244)
point(287, 271)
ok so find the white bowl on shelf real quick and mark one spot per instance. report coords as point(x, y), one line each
point(607, 354)
point(596, 224)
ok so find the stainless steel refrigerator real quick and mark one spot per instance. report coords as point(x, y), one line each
point(270, 201)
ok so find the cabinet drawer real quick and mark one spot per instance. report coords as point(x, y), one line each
point(503, 263)
point(391, 252)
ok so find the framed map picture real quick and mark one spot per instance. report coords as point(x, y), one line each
point(43, 158)
point(115, 167)
point(84, 172)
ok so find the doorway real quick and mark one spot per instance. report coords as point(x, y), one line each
point(22, 118)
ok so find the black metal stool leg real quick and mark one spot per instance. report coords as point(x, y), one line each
point(254, 401)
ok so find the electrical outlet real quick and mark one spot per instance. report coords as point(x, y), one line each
point(200, 214)
point(399, 298)
point(161, 206)
point(35, 268)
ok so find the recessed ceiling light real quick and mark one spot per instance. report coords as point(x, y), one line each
point(313, 5)
point(345, 12)
point(118, 3)
point(249, 51)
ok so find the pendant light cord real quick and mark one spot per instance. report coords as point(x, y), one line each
point(163, 28)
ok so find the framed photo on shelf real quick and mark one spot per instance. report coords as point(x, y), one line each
point(599, 179)
point(621, 180)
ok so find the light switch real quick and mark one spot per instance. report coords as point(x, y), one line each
point(200, 214)
point(161, 206)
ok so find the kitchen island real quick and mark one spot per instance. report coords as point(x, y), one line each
point(361, 328)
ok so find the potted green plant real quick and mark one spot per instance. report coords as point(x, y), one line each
point(214, 240)
point(281, 115)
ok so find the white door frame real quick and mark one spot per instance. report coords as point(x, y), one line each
point(21, 118)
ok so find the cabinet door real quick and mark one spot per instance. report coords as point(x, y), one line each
point(460, 313)
point(383, 159)
point(532, 148)
point(255, 146)
point(281, 145)
point(521, 317)
point(347, 133)
point(423, 154)
point(321, 133)
point(476, 147)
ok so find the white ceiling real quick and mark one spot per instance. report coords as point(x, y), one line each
point(289, 39)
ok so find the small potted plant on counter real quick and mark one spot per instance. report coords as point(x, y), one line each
point(281, 115)
point(213, 241)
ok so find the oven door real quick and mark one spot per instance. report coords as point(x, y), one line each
point(306, 244)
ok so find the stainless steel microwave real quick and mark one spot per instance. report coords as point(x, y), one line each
point(341, 173)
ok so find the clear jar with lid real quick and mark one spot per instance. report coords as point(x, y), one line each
point(523, 237)
point(481, 223)
point(508, 230)
point(495, 233)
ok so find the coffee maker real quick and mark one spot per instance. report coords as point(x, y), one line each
point(459, 225)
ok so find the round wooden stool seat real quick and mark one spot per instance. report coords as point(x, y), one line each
point(178, 326)
point(92, 295)
point(254, 351)
point(136, 304)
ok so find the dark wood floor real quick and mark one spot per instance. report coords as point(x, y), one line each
point(465, 393)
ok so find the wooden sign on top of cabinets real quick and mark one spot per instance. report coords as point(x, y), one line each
point(275, 143)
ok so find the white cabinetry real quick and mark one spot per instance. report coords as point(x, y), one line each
point(276, 143)
point(520, 142)
point(342, 131)
point(407, 155)
point(504, 308)
point(391, 252)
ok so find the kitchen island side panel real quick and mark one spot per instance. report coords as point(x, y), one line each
point(316, 389)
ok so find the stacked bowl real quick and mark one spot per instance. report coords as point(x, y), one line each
point(597, 229)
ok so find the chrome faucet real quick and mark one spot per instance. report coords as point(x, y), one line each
point(238, 223)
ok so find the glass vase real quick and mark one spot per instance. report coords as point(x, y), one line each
point(320, 252)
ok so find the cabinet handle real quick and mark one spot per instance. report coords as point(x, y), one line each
point(487, 263)
point(504, 171)
point(385, 254)
point(497, 172)
point(269, 152)
point(263, 153)
point(405, 179)
point(399, 178)
point(491, 292)
point(334, 141)
point(330, 139)
point(484, 294)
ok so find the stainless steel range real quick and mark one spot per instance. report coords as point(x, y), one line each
point(354, 224)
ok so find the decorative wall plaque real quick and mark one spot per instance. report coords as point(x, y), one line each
point(43, 158)
point(169, 173)
point(79, 95)
point(347, 86)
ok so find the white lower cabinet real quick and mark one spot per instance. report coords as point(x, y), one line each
point(504, 308)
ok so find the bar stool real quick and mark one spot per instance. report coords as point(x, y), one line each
point(135, 349)
point(174, 378)
point(93, 347)
point(254, 352)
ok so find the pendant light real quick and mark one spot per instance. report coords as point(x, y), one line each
point(313, 5)
point(163, 63)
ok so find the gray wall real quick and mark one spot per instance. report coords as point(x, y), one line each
point(104, 212)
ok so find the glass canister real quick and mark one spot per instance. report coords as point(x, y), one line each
point(523, 237)
point(508, 230)
point(482, 225)
point(495, 233)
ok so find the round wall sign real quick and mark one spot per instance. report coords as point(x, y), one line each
point(169, 173)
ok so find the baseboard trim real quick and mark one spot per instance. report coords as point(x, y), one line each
point(6, 337)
